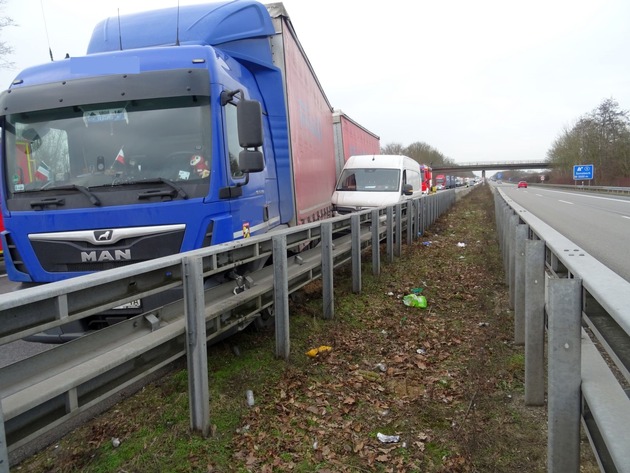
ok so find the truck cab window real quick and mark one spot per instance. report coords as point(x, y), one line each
point(110, 144)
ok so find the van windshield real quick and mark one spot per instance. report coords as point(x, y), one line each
point(369, 180)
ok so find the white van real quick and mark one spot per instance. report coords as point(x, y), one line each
point(376, 180)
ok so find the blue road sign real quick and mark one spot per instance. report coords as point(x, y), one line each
point(582, 172)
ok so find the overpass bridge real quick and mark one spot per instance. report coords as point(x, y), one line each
point(491, 166)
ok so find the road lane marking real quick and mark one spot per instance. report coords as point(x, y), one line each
point(586, 194)
point(565, 202)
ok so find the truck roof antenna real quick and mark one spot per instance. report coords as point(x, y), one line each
point(177, 28)
point(119, 31)
point(46, 30)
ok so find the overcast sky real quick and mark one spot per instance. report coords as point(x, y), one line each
point(484, 80)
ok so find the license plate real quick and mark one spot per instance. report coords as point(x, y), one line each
point(130, 305)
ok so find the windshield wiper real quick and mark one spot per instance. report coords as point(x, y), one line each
point(82, 189)
point(159, 180)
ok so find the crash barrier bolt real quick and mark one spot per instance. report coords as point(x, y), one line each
point(564, 378)
point(534, 322)
point(196, 348)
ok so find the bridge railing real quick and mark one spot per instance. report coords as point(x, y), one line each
point(493, 166)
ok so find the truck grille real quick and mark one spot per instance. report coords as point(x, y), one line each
point(56, 255)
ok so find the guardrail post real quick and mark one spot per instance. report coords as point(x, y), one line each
point(390, 234)
point(398, 238)
point(4, 450)
point(420, 212)
point(519, 283)
point(410, 221)
point(564, 316)
point(534, 322)
point(376, 244)
point(437, 206)
point(328, 292)
point(196, 348)
point(281, 295)
point(355, 225)
point(513, 221)
point(507, 215)
point(505, 238)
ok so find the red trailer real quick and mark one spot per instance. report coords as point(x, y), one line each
point(352, 139)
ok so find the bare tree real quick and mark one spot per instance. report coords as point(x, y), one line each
point(601, 138)
point(426, 154)
point(392, 148)
point(5, 48)
point(418, 151)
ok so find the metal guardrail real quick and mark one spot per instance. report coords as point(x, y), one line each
point(583, 188)
point(47, 390)
point(583, 306)
point(589, 188)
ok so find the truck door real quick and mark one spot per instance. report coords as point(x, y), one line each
point(250, 209)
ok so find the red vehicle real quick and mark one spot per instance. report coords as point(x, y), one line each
point(440, 182)
point(427, 178)
point(522, 184)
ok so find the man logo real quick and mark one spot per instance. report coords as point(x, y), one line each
point(103, 235)
point(105, 256)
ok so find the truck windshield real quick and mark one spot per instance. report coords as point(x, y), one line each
point(370, 180)
point(109, 144)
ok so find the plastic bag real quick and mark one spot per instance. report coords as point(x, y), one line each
point(388, 438)
point(415, 300)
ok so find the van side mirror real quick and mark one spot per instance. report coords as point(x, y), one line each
point(249, 121)
point(407, 189)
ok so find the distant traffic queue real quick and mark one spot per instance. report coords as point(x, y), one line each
point(443, 181)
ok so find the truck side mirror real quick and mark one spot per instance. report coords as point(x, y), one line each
point(407, 189)
point(251, 161)
point(249, 120)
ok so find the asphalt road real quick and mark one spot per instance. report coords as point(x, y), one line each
point(598, 224)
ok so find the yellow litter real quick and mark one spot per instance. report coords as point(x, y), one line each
point(316, 351)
